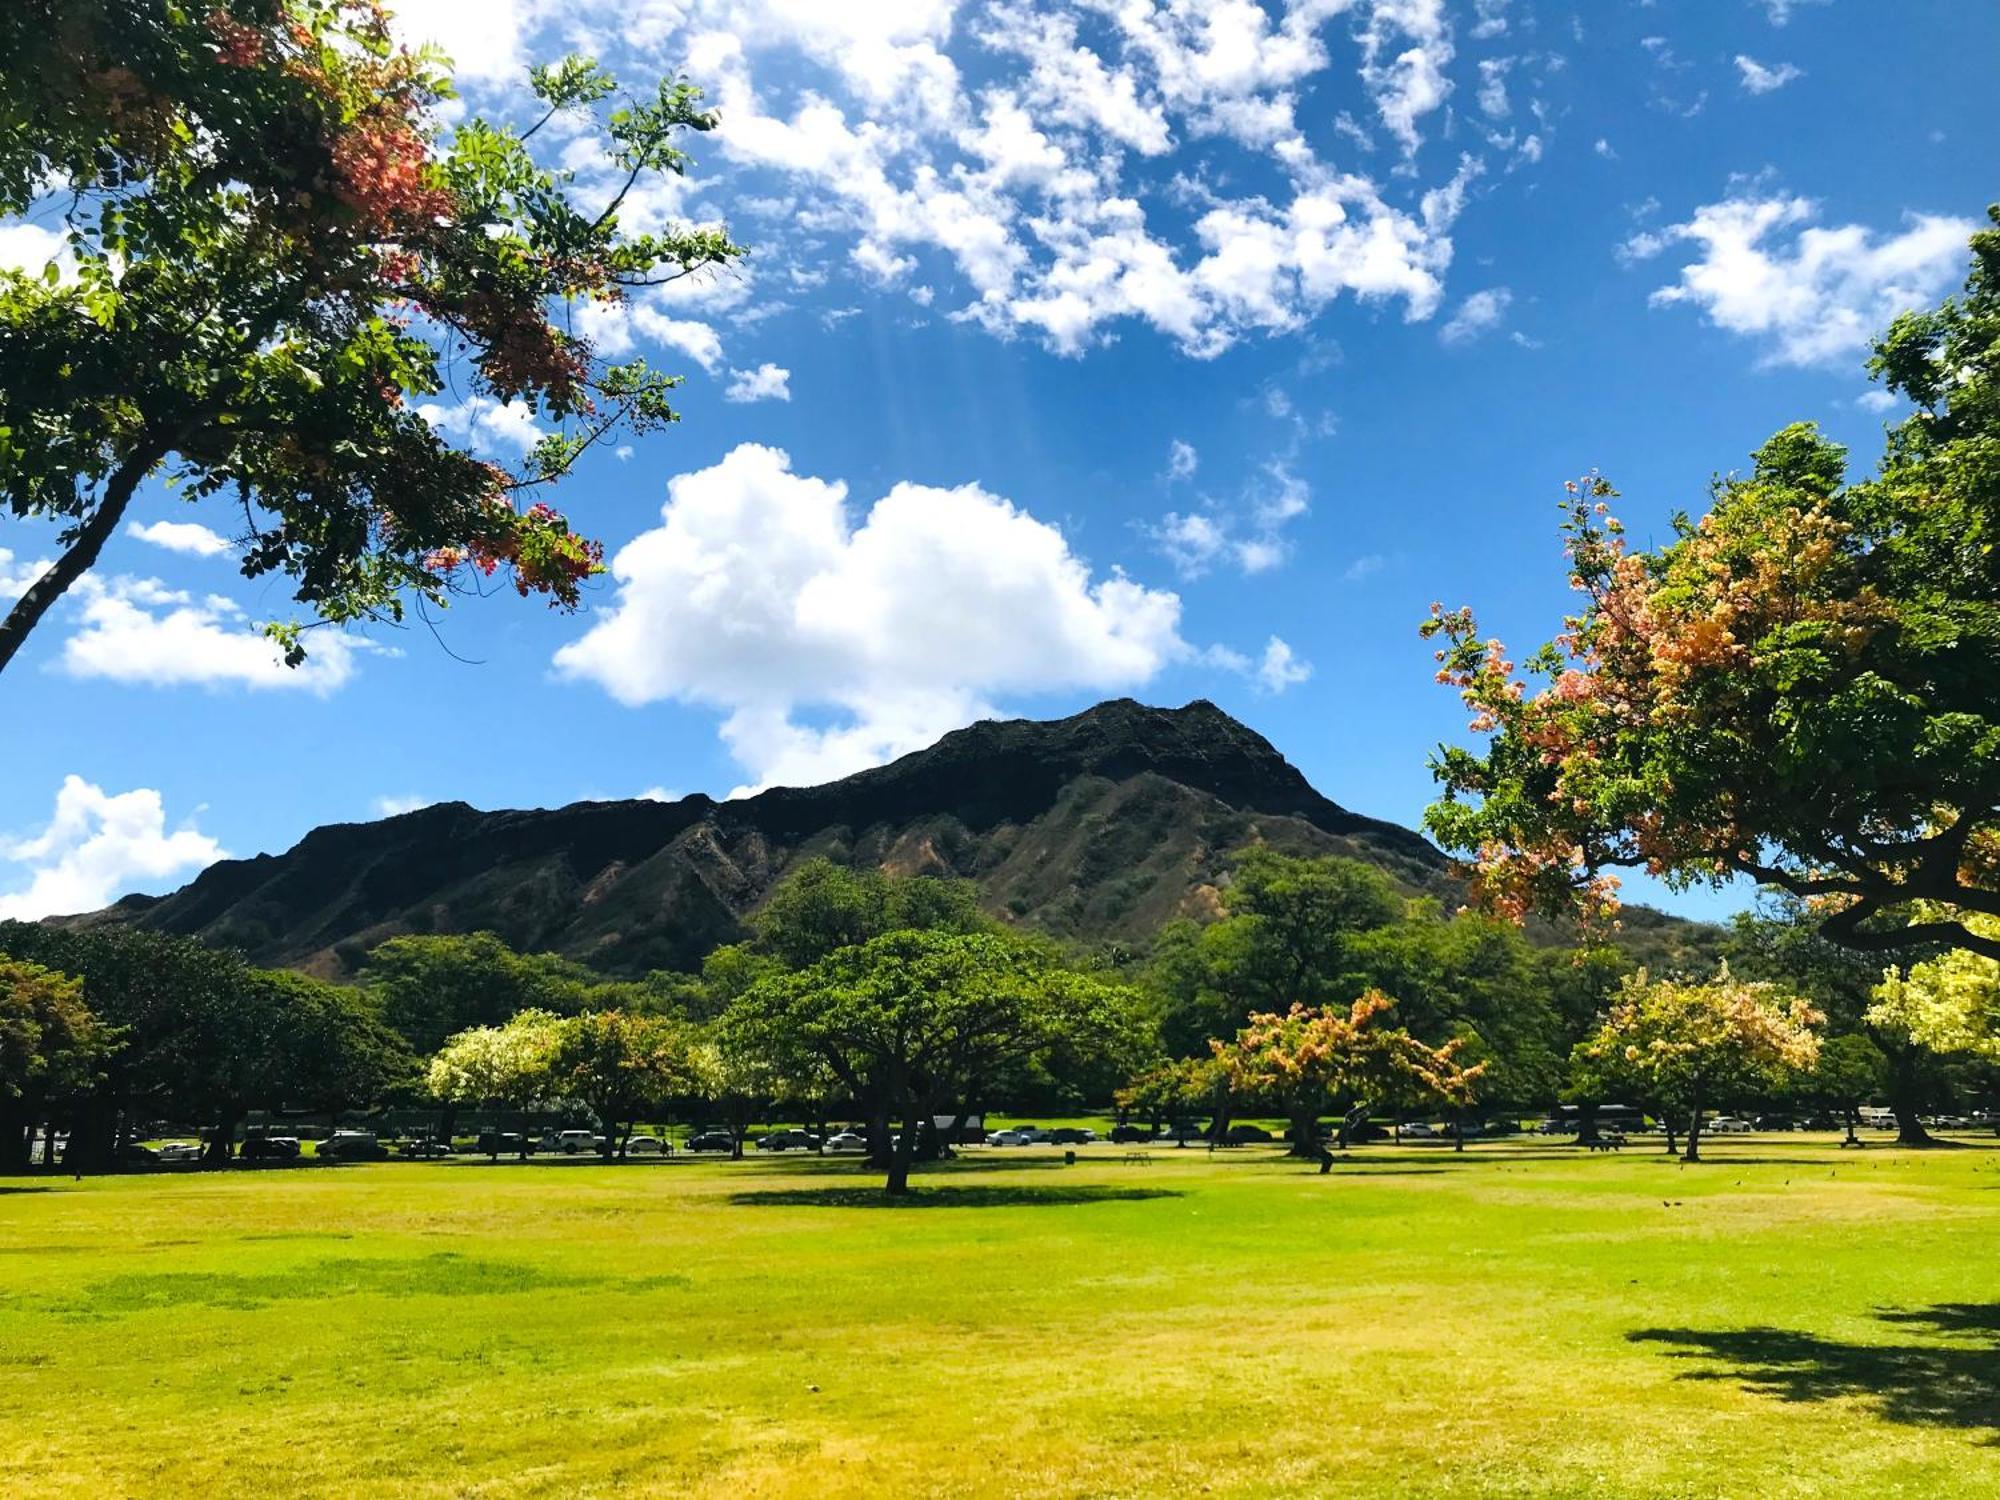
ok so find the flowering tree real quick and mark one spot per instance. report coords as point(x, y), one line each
point(1691, 1043)
point(1309, 1060)
point(511, 1065)
point(1798, 687)
point(267, 248)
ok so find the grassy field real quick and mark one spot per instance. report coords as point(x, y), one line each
point(1786, 1320)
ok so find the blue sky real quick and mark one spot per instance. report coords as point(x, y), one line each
point(1177, 350)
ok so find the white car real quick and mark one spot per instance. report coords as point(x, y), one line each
point(576, 1141)
point(1417, 1130)
point(645, 1145)
point(1728, 1125)
point(847, 1143)
point(1011, 1138)
point(180, 1151)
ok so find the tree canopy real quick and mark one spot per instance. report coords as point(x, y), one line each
point(270, 245)
point(1798, 687)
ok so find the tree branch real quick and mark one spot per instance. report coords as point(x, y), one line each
point(82, 554)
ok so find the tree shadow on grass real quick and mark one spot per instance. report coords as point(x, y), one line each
point(1952, 1380)
point(957, 1197)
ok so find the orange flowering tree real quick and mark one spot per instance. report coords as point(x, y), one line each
point(268, 247)
point(1798, 687)
point(1309, 1060)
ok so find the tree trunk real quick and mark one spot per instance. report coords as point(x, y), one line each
point(1458, 1131)
point(1853, 1114)
point(881, 1147)
point(222, 1139)
point(82, 554)
point(1667, 1127)
point(1305, 1131)
point(1910, 1129)
point(1694, 1128)
point(906, 1149)
point(1586, 1124)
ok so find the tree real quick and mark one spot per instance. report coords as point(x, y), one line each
point(511, 1065)
point(1798, 687)
point(1173, 1092)
point(621, 1066)
point(911, 1021)
point(431, 986)
point(1782, 942)
point(51, 1051)
point(1693, 1043)
point(1308, 1060)
point(821, 907)
point(1849, 1072)
point(268, 248)
point(1286, 937)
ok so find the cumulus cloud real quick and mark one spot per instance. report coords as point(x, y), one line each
point(1480, 313)
point(1280, 667)
point(485, 423)
point(30, 247)
point(1811, 295)
point(1878, 401)
point(1761, 78)
point(97, 847)
point(16, 574)
point(832, 643)
point(768, 382)
point(138, 631)
point(1182, 459)
point(189, 537)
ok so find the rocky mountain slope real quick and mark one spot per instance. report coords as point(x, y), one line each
point(1098, 827)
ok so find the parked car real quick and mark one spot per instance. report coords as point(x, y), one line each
point(849, 1143)
point(178, 1151)
point(1244, 1134)
point(270, 1148)
point(645, 1145)
point(712, 1140)
point(787, 1140)
point(351, 1145)
point(1728, 1125)
point(1183, 1133)
point(505, 1143)
point(1122, 1134)
point(427, 1150)
point(576, 1142)
point(1009, 1138)
point(139, 1154)
point(1417, 1130)
point(1071, 1135)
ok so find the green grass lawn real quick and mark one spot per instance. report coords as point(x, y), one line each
point(1785, 1320)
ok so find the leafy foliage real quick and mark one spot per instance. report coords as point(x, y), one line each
point(1798, 687)
point(268, 249)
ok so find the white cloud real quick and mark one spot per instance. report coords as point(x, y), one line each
point(1878, 401)
point(1181, 459)
point(1604, 149)
point(485, 423)
point(1363, 567)
point(136, 630)
point(1480, 313)
point(97, 847)
point(615, 329)
point(1812, 295)
point(658, 794)
point(759, 595)
point(1280, 667)
point(30, 247)
point(768, 382)
point(484, 38)
point(1759, 78)
point(1249, 534)
point(190, 537)
point(1779, 12)
point(17, 574)
point(393, 807)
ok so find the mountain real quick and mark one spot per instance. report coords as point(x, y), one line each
point(1100, 826)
